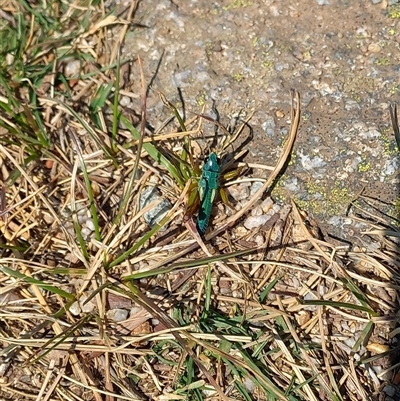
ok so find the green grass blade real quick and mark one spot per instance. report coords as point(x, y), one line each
point(59, 339)
point(38, 283)
point(139, 243)
point(99, 100)
point(80, 239)
point(155, 154)
point(188, 264)
point(92, 202)
point(264, 293)
point(344, 305)
point(105, 149)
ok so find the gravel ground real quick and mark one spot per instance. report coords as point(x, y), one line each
point(242, 55)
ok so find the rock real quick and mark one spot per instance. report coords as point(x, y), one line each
point(125, 101)
point(75, 308)
point(255, 187)
point(269, 126)
point(267, 205)
point(154, 216)
point(89, 224)
point(117, 315)
point(374, 48)
point(256, 221)
point(389, 390)
point(72, 68)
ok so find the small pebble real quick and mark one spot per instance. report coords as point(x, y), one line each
point(89, 224)
point(303, 317)
point(389, 390)
point(9, 296)
point(238, 192)
point(87, 307)
point(255, 187)
point(269, 126)
point(391, 167)
point(350, 342)
point(70, 229)
point(154, 216)
point(72, 68)
point(267, 205)
point(82, 218)
point(249, 385)
point(125, 101)
point(259, 240)
point(117, 315)
point(274, 11)
point(75, 308)
point(362, 31)
point(310, 297)
point(374, 48)
point(256, 221)
point(48, 218)
point(377, 369)
point(136, 310)
point(10, 59)
point(351, 105)
point(257, 211)
point(276, 208)
point(344, 348)
point(86, 233)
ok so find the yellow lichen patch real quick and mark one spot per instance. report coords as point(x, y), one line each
point(323, 199)
point(238, 4)
point(338, 199)
point(238, 77)
point(394, 89)
point(388, 144)
point(356, 84)
point(394, 11)
point(201, 98)
point(363, 166)
point(382, 61)
point(209, 49)
point(307, 205)
point(314, 188)
point(307, 55)
point(293, 158)
point(268, 64)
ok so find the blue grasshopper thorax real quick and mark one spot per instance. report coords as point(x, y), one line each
point(208, 187)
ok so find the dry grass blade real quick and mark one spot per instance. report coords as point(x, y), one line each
point(295, 119)
point(139, 145)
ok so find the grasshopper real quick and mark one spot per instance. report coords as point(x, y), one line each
point(208, 187)
point(205, 184)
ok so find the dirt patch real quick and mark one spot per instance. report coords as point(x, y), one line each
point(239, 56)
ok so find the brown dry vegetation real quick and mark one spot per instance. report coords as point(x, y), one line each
point(276, 312)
